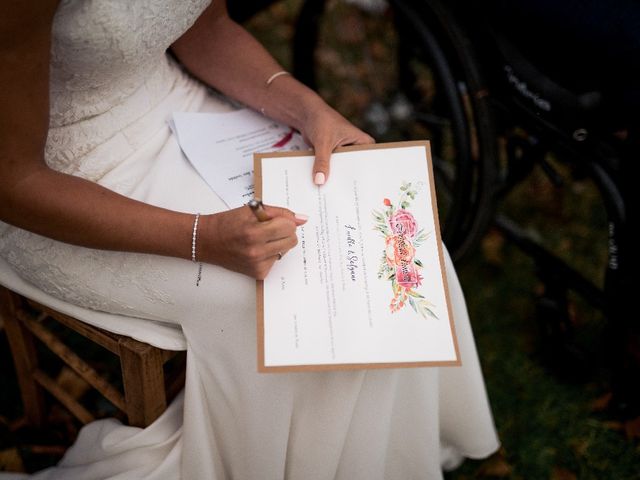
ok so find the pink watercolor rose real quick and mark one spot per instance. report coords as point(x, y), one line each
point(403, 223)
point(399, 250)
point(407, 276)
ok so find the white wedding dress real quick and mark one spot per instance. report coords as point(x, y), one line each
point(113, 87)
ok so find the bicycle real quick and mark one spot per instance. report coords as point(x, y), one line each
point(438, 109)
point(464, 84)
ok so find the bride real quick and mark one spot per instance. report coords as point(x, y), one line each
point(100, 208)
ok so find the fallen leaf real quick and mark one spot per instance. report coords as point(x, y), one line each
point(613, 425)
point(496, 466)
point(72, 383)
point(57, 450)
point(279, 10)
point(559, 473)
point(379, 50)
point(10, 461)
point(601, 403)
point(492, 247)
point(632, 428)
point(580, 446)
point(351, 29)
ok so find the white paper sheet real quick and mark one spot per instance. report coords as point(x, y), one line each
point(221, 146)
point(365, 285)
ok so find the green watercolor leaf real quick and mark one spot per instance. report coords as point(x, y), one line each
point(413, 305)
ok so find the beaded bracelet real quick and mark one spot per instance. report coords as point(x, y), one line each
point(194, 237)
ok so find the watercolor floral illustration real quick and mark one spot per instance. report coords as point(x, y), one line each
point(399, 264)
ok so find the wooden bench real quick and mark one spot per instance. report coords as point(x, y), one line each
point(146, 389)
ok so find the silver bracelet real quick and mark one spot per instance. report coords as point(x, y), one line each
point(270, 80)
point(276, 75)
point(194, 237)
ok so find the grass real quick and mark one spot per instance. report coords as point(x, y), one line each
point(549, 428)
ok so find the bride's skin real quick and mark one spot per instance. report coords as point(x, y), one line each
point(70, 209)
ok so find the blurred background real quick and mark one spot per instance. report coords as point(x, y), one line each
point(555, 421)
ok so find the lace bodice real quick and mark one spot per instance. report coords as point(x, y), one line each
point(108, 69)
point(112, 87)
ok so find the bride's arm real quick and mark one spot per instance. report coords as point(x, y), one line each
point(224, 55)
point(73, 210)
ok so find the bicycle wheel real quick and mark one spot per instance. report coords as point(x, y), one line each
point(405, 71)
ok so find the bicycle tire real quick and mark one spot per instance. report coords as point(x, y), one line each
point(439, 35)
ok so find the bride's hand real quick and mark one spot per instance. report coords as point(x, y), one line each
point(236, 240)
point(325, 129)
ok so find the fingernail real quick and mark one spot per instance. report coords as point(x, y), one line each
point(302, 217)
point(319, 179)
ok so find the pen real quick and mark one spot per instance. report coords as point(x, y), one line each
point(258, 210)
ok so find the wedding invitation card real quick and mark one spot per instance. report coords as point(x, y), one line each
point(365, 287)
